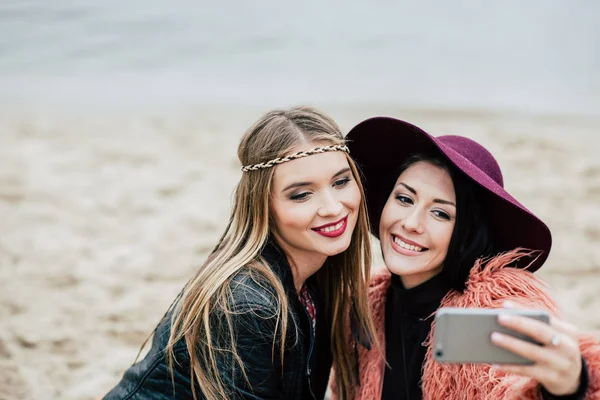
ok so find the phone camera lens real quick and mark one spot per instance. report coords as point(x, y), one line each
point(439, 353)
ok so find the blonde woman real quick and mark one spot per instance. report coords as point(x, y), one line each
point(266, 316)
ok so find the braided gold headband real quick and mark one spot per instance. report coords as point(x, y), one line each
point(300, 154)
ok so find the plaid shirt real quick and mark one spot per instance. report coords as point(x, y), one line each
point(309, 304)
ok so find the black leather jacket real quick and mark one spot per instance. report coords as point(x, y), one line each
point(307, 356)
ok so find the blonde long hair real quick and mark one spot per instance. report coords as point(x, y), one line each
point(343, 281)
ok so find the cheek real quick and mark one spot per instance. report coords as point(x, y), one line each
point(383, 222)
point(351, 197)
point(287, 217)
point(389, 217)
point(444, 235)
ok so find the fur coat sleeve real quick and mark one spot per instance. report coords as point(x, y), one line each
point(489, 288)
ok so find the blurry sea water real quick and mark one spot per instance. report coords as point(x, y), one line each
point(540, 56)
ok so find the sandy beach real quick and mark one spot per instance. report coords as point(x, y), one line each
point(104, 216)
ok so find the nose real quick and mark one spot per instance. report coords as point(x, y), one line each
point(330, 205)
point(413, 222)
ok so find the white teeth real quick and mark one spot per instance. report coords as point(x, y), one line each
point(333, 227)
point(406, 245)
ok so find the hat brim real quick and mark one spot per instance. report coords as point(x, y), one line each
point(381, 145)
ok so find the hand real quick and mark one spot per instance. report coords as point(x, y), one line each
point(557, 363)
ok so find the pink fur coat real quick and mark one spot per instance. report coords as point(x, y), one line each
point(486, 288)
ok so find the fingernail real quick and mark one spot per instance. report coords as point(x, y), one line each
point(508, 304)
point(504, 318)
point(496, 337)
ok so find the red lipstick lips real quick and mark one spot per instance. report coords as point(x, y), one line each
point(402, 249)
point(333, 229)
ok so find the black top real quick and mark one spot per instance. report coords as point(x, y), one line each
point(307, 361)
point(408, 317)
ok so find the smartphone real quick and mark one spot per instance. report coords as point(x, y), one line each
point(463, 335)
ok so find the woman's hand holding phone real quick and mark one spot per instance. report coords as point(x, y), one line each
point(557, 363)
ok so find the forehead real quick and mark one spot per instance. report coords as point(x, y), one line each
point(425, 177)
point(311, 168)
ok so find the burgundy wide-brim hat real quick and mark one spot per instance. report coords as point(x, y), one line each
point(381, 145)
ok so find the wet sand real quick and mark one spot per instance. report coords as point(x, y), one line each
point(104, 216)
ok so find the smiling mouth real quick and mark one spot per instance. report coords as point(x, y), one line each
point(334, 229)
point(408, 246)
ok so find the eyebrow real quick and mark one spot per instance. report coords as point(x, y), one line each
point(440, 201)
point(300, 184)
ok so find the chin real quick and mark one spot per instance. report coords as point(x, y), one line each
point(398, 266)
point(337, 249)
point(396, 270)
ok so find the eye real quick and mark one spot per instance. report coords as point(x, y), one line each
point(404, 199)
point(300, 196)
point(442, 215)
point(340, 183)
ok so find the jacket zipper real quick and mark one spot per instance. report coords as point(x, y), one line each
point(310, 350)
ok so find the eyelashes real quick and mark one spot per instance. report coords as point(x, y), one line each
point(404, 199)
point(299, 196)
point(442, 214)
point(303, 196)
point(407, 201)
point(340, 183)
